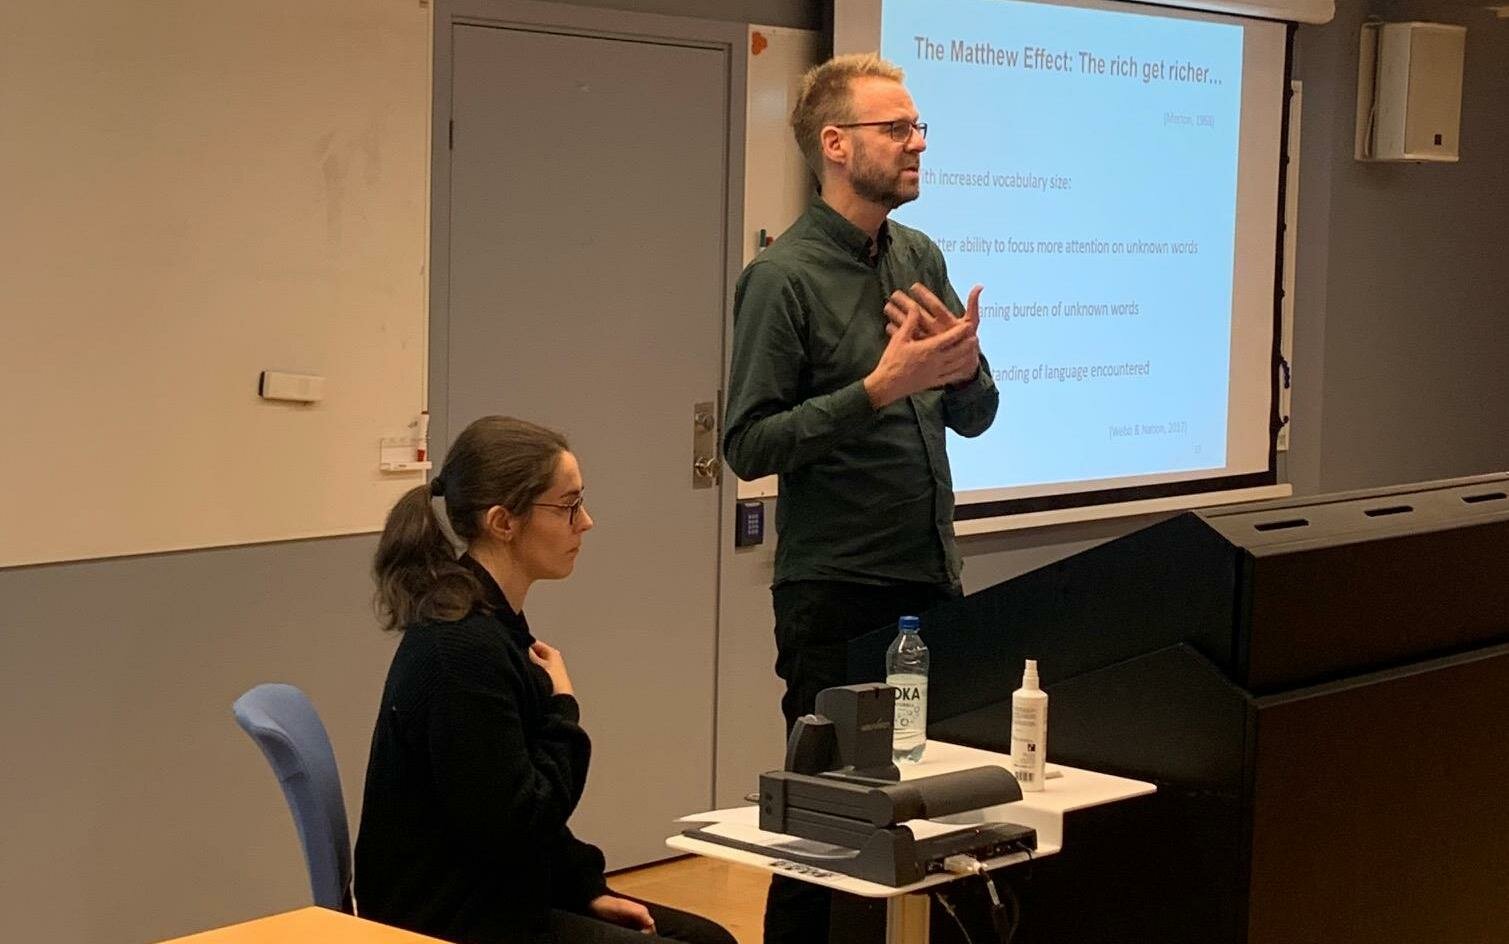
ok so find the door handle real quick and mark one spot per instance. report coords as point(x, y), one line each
point(706, 469)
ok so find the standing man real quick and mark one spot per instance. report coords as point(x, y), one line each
point(851, 356)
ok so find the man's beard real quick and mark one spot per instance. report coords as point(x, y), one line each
point(877, 184)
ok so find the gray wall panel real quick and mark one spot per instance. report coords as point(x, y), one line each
point(134, 808)
point(1324, 129)
point(1416, 287)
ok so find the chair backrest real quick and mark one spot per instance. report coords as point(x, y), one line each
point(283, 722)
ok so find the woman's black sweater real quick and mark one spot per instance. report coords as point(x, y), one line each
point(475, 768)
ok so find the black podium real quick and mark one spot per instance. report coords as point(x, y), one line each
point(1320, 690)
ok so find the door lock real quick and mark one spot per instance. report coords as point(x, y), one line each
point(706, 468)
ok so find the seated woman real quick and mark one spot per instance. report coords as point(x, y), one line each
point(477, 758)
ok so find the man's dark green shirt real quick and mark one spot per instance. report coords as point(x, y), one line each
point(865, 495)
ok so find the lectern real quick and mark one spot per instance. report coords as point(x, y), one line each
point(1319, 688)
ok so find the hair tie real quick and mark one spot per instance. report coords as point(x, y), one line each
point(437, 484)
point(447, 530)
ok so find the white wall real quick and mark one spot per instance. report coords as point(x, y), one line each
point(195, 193)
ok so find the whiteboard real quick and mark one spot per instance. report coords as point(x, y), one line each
point(194, 194)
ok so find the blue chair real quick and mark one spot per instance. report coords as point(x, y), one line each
point(283, 722)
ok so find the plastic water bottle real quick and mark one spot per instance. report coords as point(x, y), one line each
point(906, 672)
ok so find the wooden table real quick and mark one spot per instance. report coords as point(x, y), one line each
point(314, 925)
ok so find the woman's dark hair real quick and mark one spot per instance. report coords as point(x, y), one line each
point(497, 460)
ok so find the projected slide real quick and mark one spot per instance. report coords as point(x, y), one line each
point(1082, 166)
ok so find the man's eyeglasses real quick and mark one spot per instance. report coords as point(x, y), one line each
point(900, 130)
point(571, 508)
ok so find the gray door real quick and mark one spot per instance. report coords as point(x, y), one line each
point(587, 268)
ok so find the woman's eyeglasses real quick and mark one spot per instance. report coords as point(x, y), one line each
point(571, 508)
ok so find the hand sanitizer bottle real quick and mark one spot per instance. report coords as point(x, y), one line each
point(1029, 730)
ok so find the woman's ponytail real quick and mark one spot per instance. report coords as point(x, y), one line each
point(496, 461)
point(418, 576)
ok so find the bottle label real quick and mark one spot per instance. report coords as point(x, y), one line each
point(1029, 726)
point(911, 704)
point(1025, 720)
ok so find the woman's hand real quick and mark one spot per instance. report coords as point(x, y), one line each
point(623, 912)
point(550, 659)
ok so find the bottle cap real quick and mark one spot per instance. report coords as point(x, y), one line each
point(1029, 676)
point(909, 624)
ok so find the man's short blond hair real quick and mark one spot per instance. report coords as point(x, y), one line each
point(827, 98)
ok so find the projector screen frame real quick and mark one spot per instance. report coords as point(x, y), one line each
point(977, 517)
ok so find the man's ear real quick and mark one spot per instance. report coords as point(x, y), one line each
point(834, 145)
point(499, 524)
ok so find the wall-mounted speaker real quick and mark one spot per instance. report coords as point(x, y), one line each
point(1409, 91)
